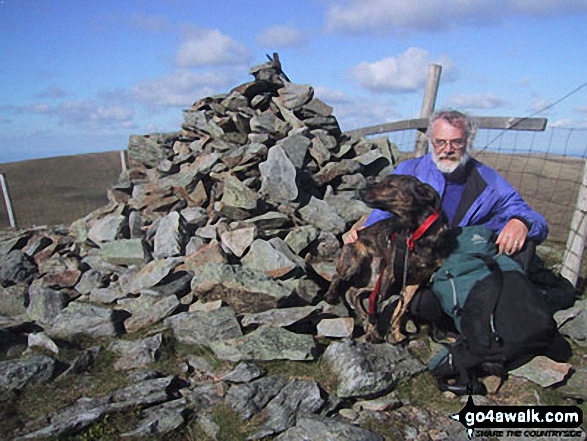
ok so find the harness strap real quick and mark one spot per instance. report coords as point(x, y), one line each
point(403, 272)
point(411, 240)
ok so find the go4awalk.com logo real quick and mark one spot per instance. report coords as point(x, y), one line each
point(521, 421)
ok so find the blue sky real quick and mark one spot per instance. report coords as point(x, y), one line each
point(82, 76)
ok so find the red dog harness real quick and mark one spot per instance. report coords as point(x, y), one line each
point(410, 243)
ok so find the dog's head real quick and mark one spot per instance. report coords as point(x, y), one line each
point(405, 196)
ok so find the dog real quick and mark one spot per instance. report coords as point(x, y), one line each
point(414, 240)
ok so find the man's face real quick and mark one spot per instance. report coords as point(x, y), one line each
point(449, 145)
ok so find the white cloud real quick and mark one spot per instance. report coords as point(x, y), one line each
point(331, 96)
point(388, 16)
point(277, 37)
point(476, 101)
point(85, 112)
point(406, 73)
point(180, 88)
point(210, 47)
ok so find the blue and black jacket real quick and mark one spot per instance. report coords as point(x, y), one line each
point(487, 199)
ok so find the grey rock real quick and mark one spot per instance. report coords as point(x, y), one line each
point(108, 295)
point(107, 229)
point(237, 240)
point(170, 237)
point(316, 427)
point(198, 121)
point(328, 246)
point(282, 317)
point(269, 124)
point(146, 392)
point(334, 170)
point(278, 176)
point(295, 147)
point(135, 225)
point(147, 310)
point(243, 289)
point(158, 421)
point(323, 216)
point(237, 194)
point(145, 150)
point(318, 107)
point(14, 299)
point(341, 327)
point(576, 328)
point(45, 304)
point(349, 209)
point(16, 267)
point(135, 354)
point(125, 252)
point(204, 328)
point(16, 374)
point(294, 96)
point(298, 398)
point(279, 245)
point(268, 221)
point(81, 363)
point(195, 216)
point(41, 340)
point(301, 237)
point(263, 257)
point(264, 344)
point(249, 399)
point(576, 385)
point(243, 373)
point(85, 319)
point(366, 370)
point(153, 273)
point(90, 281)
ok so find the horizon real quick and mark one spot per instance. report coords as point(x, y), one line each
point(81, 78)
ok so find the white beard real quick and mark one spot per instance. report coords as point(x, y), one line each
point(449, 167)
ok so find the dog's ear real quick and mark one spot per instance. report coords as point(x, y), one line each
point(428, 196)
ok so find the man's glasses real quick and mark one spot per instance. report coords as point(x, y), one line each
point(457, 144)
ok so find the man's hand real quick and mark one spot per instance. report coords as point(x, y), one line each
point(512, 237)
point(352, 235)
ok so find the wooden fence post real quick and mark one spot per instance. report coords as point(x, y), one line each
point(7, 201)
point(576, 241)
point(434, 71)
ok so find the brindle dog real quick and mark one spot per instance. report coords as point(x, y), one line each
point(411, 202)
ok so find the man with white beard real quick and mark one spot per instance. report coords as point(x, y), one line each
point(472, 193)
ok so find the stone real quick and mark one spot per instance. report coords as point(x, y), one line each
point(295, 147)
point(152, 273)
point(294, 96)
point(265, 344)
point(16, 267)
point(45, 304)
point(159, 421)
point(14, 299)
point(576, 328)
point(543, 371)
point(243, 373)
point(365, 370)
point(90, 281)
point(107, 229)
point(41, 340)
point(80, 319)
point(269, 124)
point(136, 354)
point(144, 150)
point(282, 317)
point(148, 310)
point(170, 237)
point(205, 328)
point(323, 216)
point(16, 374)
point(318, 107)
point(236, 194)
point(336, 327)
point(244, 289)
point(263, 257)
point(205, 255)
point(333, 170)
point(299, 238)
point(278, 176)
point(576, 385)
point(318, 427)
point(125, 252)
point(237, 240)
point(298, 398)
point(250, 398)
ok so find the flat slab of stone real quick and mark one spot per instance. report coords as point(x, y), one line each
point(205, 327)
point(368, 370)
point(266, 343)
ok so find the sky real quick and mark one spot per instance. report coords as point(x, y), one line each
point(82, 76)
